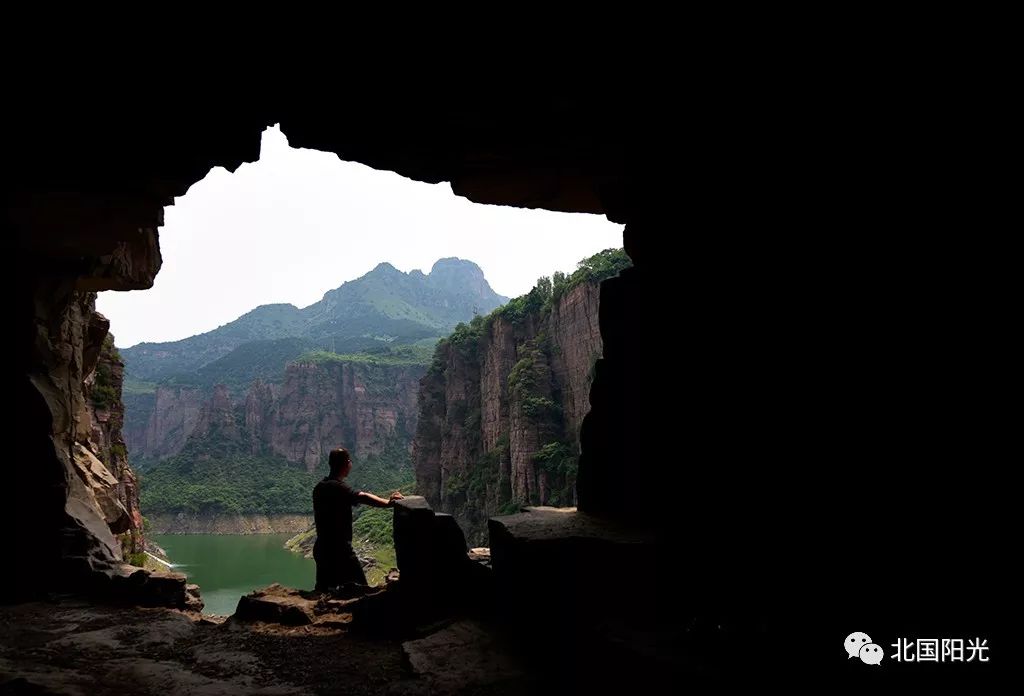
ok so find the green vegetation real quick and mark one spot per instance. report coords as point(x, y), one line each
point(604, 264)
point(391, 470)
point(417, 354)
point(557, 458)
point(522, 378)
point(157, 361)
point(137, 387)
point(533, 395)
point(510, 508)
point(372, 537)
point(541, 408)
point(302, 543)
point(529, 383)
point(537, 302)
point(383, 308)
point(103, 393)
point(373, 526)
point(386, 560)
point(230, 484)
point(109, 348)
point(215, 476)
point(466, 336)
point(480, 482)
point(263, 360)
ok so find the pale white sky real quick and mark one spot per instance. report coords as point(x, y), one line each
point(298, 223)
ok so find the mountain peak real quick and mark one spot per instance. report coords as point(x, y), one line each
point(453, 263)
point(380, 307)
point(466, 279)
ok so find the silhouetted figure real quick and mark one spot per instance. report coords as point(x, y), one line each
point(333, 500)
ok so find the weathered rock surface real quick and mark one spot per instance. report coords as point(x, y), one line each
point(581, 578)
point(373, 609)
point(276, 604)
point(592, 553)
point(166, 428)
point(86, 511)
point(76, 648)
point(437, 572)
point(463, 655)
point(321, 405)
point(589, 555)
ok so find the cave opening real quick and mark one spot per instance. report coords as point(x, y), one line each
point(435, 382)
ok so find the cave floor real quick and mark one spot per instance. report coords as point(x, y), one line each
point(71, 646)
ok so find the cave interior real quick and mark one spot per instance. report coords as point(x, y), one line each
point(778, 405)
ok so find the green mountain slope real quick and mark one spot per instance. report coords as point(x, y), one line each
point(384, 307)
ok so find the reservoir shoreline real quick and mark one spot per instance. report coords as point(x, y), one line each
point(186, 523)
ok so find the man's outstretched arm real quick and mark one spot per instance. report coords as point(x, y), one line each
point(376, 501)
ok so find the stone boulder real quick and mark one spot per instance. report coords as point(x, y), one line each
point(437, 573)
point(276, 604)
point(101, 489)
point(596, 563)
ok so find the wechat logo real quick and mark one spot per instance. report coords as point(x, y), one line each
point(860, 645)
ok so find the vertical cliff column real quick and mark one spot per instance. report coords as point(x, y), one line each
point(534, 420)
point(426, 454)
point(61, 497)
point(498, 361)
point(259, 404)
point(460, 439)
point(172, 421)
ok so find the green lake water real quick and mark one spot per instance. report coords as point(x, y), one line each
point(227, 566)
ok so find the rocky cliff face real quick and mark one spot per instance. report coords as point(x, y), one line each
point(323, 405)
point(81, 385)
point(101, 457)
point(500, 411)
point(317, 407)
point(173, 415)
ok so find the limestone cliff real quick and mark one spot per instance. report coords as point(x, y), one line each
point(501, 408)
point(318, 405)
point(173, 413)
point(322, 405)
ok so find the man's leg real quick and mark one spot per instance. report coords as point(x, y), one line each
point(352, 569)
point(328, 573)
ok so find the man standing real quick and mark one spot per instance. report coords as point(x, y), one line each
point(333, 500)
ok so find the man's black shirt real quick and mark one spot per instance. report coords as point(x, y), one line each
point(332, 511)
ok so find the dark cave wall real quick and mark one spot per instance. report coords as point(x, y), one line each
point(73, 503)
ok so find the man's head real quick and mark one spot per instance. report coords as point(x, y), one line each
point(340, 463)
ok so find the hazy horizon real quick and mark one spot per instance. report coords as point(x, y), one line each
point(297, 223)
